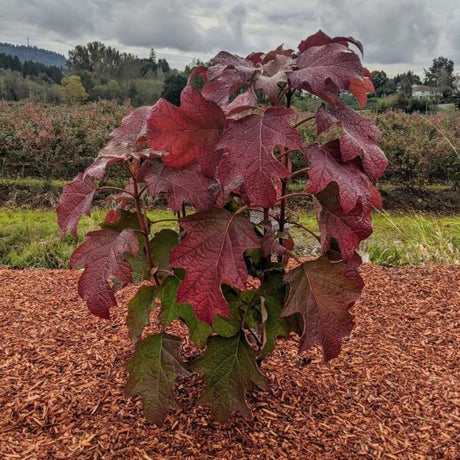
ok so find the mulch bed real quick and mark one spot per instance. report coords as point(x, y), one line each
point(394, 392)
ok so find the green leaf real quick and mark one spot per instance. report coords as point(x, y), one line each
point(273, 293)
point(170, 310)
point(230, 369)
point(121, 220)
point(139, 309)
point(152, 372)
point(228, 327)
point(161, 245)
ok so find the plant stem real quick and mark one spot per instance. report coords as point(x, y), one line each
point(142, 218)
point(291, 195)
point(304, 121)
point(296, 224)
point(116, 189)
point(299, 171)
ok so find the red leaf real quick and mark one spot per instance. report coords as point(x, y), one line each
point(272, 73)
point(212, 254)
point(326, 167)
point(242, 102)
point(102, 256)
point(224, 61)
point(198, 70)
point(322, 293)
point(320, 38)
point(358, 138)
point(123, 143)
point(220, 90)
point(360, 87)
point(185, 184)
point(250, 142)
point(75, 202)
point(347, 229)
point(326, 70)
point(273, 54)
point(189, 132)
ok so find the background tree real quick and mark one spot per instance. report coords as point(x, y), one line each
point(173, 85)
point(406, 81)
point(441, 73)
point(380, 81)
point(72, 90)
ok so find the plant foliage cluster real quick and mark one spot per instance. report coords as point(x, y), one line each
point(225, 273)
point(58, 141)
point(48, 141)
point(422, 150)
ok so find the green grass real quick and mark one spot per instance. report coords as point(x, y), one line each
point(414, 239)
point(31, 238)
point(32, 182)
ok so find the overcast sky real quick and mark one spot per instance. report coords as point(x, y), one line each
point(397, 35)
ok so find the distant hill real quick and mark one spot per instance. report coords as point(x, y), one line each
point(32, 53)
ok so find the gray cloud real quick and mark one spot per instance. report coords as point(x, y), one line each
point(405, 34)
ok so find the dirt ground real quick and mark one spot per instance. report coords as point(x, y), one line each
point(394, 392)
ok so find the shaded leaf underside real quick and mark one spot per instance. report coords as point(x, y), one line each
point(323, 295)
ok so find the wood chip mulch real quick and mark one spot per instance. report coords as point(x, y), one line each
point(394, 392)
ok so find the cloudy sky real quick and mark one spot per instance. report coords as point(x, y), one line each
point(397, 35)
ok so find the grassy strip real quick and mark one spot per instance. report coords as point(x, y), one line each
point(31, 238)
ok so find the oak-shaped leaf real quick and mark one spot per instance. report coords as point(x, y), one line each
point(326, 70)
point(161, 245)
point(75, 202)
point(250, 144)
point(102, 254)
point(225, 61)
point(221, 89)
point(171, 310)
point(212, 254)
point(272, 74)
point(354, 186)
point(124, 142)
point(139, 308)
point(323, 295)
point(358, 138)
point(153, 369)
point(347, 229)
point(273, 295)
point(230, 369)
point(180, 185)
point(360, 87)
point(320, 38)
point(188, 133)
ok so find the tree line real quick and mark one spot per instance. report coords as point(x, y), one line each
point(97, 71)
point(94, 71)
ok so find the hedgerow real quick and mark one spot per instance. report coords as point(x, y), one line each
point(49, 141)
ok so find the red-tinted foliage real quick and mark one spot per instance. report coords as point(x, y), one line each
point(226, 153)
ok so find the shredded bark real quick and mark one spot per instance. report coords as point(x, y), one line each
point(394, 392)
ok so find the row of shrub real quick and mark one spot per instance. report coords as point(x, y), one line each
point(49, 141)
point(422, 149)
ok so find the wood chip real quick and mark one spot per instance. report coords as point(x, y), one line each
point(394, 392)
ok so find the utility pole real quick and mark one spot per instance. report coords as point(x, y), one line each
point(28, 45)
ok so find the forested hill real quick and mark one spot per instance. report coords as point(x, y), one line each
point(32, 53)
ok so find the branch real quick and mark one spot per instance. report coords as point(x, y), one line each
point(296, 224)
point(291, 195)
point(117, 189)
point(304, 121)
